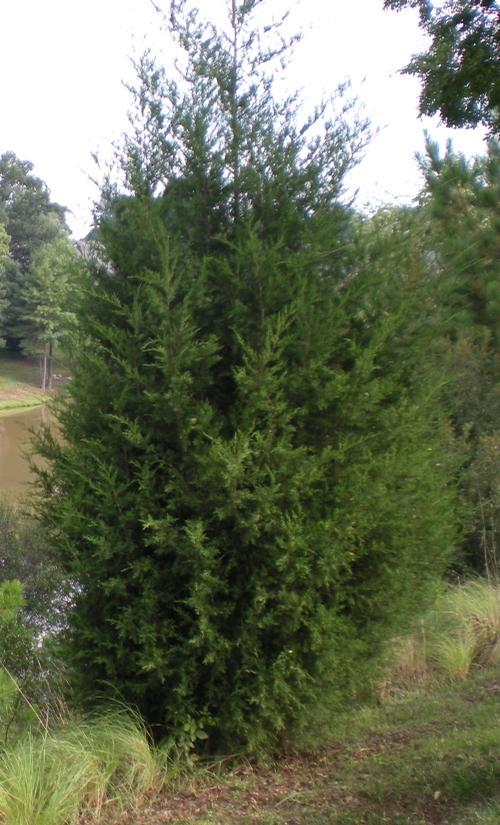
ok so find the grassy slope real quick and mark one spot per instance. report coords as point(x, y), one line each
point(426, 759)
point(19, 382)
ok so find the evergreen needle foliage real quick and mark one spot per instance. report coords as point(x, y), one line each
point(249, 489)
point(460, 207)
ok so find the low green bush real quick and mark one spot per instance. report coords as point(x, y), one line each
point(18, 663)
point(26, 555)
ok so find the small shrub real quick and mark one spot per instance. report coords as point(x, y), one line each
point(18, 662)
point(26, 556)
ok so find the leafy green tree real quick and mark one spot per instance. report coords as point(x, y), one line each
point(4, 260)
point(31, 221)
point(459, 71)
point(31, 218)
point(459, 206)
point(248, 490)
point(4, 244)
point(49, 303)
point(481, 486)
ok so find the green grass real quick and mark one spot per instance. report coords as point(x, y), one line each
point(428, 753)
point(11, 407)
point(19, 382)
point(432, 757)
point(485, 815)
point(460, 633)
point(425, 755)
point(83, 768)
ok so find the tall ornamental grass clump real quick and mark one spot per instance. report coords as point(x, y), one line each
point(54, 778)
point(249, 489)
point(460, 633)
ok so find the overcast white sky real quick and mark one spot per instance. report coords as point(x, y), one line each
point(62, 63)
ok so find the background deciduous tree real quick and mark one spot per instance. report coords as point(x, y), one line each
point(31, 221)
point(4, 261)
point(49, 303)
point(459, 71)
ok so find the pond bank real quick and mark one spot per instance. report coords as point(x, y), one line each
point(22, 409)
point(19, 383)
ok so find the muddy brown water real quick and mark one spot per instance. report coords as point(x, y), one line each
point(14, 441)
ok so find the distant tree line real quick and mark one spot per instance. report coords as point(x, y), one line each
point(37, 265)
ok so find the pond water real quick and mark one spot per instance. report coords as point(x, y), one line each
point(14, 440)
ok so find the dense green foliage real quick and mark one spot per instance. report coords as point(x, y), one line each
point(37, 262)
point(4, 264)
point(17, 662)
point(461, 200)
point(252, 487)
point(30, 218)
point(49, 300)
point(26, 556)
point(459, 208)
point(459, 71)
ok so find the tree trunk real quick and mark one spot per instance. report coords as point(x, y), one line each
point(44, 369)
point(50, 370)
